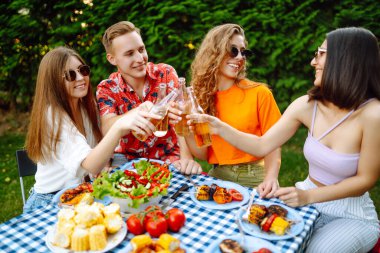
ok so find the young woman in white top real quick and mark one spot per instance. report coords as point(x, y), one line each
point(64, 138)
point(342, 113)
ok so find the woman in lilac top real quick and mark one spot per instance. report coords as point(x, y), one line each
point(342, 113)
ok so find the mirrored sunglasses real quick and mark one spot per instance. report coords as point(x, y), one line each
point(244, 53)
point(71, 75)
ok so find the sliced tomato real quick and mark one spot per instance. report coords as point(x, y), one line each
point(235, 194)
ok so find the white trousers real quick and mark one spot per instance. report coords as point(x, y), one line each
point(345, 225)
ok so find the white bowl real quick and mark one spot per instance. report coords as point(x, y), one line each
point(125, 204)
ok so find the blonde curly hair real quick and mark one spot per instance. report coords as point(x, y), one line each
point(206, 64)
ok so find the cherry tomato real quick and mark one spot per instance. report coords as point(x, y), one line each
point(235, 194)
point(156, 226)
point(152, 211)
point(135, 224)
point(263, 250)
point(175, 218)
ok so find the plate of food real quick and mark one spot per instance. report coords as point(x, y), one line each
point(135, 185)
point(165, 243)
point(270, 221)
point(221, 195)
point(89, 228)
point(75, 194)
point(230, 243)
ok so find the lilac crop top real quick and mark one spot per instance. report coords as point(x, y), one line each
point(326, 165)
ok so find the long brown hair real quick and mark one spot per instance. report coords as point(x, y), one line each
point(205, 66)
point(42, 137)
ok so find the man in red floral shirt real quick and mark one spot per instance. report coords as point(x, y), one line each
point(136, 82)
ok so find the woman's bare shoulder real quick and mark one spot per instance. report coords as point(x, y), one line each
point(370, 113)
point(301, 104)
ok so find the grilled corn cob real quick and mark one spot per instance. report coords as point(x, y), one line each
point(168, 242)
point(140, 241)
point(256, 213)
point(279, 226)
point(203, 192)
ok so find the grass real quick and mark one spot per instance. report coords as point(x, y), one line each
point(293, 169)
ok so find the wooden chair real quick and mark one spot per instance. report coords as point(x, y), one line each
point(26, 167)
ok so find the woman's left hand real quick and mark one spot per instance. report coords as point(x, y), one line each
point(292, 196)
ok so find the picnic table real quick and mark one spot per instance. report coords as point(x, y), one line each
point(27, 232)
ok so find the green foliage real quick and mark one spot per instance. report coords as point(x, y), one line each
point(282, 34)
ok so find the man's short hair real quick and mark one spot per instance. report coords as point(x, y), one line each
point(116, 30)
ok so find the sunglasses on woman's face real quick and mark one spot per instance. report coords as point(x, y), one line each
point(71, 75)
point(245, 53)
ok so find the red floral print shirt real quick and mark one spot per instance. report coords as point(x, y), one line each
point(115, 96)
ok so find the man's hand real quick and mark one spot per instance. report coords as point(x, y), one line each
point(174, 113)
point(188, 166)
point(138, 120)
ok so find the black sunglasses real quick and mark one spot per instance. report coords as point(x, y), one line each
point(71, 75)
point(244, 53)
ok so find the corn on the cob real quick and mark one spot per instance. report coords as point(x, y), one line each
point(98, 237)
point(279, 226)
point(256, 213)
point(113, 223)
point(203, 192)
point(80, 239)
point(168, 242)
point(140, 241)
point(111, 209)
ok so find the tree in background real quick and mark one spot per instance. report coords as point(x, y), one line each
point(283, 35)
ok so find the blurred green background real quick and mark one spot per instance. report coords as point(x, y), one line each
point(283, 35)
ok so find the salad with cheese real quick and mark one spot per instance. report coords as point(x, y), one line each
point(151, 179)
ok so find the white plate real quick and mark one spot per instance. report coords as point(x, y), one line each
point(56, 199)
point(210, 204)
point(253, 244)
point(112, 241)
point(254, 229)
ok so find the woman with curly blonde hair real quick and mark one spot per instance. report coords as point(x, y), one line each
point(219, 83)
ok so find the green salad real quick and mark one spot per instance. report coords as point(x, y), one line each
point(151, 179)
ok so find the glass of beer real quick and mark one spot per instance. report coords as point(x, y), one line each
point(160, 109)
point(184, 104)
point(202, 130)
point(202, 134)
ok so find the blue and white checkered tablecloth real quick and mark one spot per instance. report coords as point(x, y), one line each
point(202, 227)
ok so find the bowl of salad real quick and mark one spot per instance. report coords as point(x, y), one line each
point(134, 186)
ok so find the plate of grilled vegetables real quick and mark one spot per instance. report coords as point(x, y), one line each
point(221, 195)
point(270, 221)
point(75, 194)
point(233, 244)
